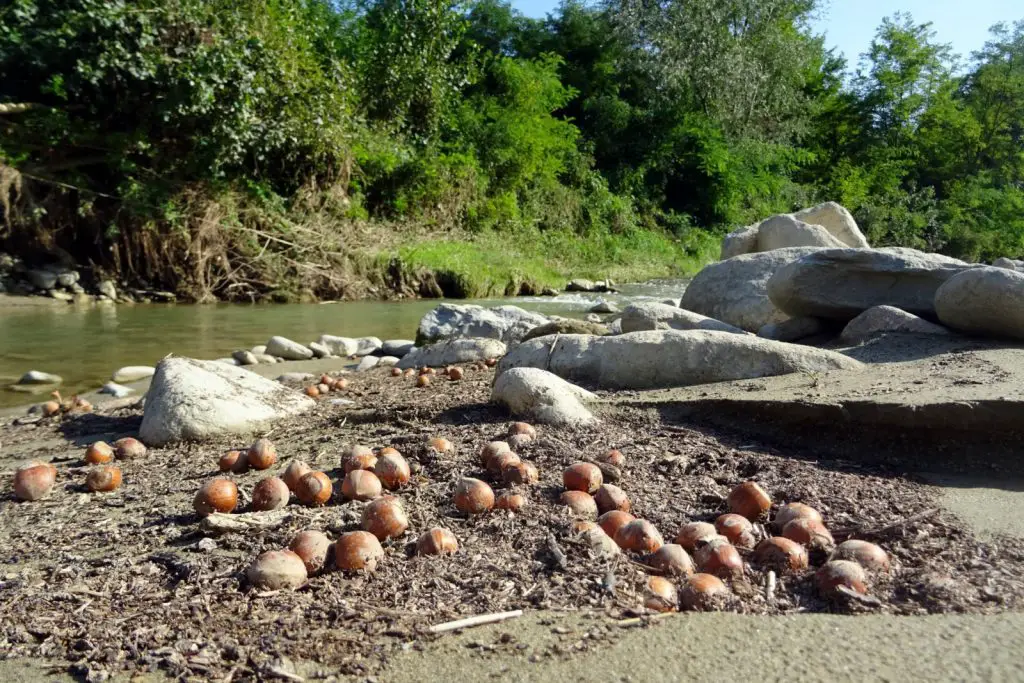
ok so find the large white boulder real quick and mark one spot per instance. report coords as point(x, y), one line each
point(1012, 264)
point(837, 220)
point(282, 347)
point(783, 231)
point(453, 321)
point(193, 400)
point(452, 351)
point(827, 225)
point(366, 346)
point(339, 346)
point(880, 320)
point(642, 316)
point(840, 284)
point(987, 301)
point(735, 291)
point(542, 397)
point(739, 242)
point(669, 358)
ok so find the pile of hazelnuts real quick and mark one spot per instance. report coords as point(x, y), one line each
point(36, 479)
point(706, 555)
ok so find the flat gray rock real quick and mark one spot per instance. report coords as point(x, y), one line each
point(387, 361)
point(397, 347)
point(642, 316)
point(669, 358)
point(282, 347)
point(986, 301)
point(194, 400)
point(841, 284)
point(566, 326)
point(451, 352)
point(736, 291)
point(885, 320)
point(540, 396)
point(508, 324)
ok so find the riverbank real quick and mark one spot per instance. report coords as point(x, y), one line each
point(381, 265)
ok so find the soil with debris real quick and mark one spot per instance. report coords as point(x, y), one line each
point(132, 581)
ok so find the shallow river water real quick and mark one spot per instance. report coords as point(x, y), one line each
point(85, 345)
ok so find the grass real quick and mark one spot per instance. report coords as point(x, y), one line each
point(496, 264)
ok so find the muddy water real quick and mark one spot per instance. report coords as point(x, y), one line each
point(85, 345)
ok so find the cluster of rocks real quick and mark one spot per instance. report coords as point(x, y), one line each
point(370, 351)
point(787, 288)
point(65, 283)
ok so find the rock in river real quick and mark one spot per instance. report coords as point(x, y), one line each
point(452, 351)
point(368, 345)
point(542, 397)
point(245, 357)
point(397, 347)
point(987, 301)
point(193, 400)
point(340, 346)
point(319, 350)
point(282, 347)
point(735, 291)
point(133, 373)
point(508, 324)
point(669, 358)
point(841, 284)
point(39, 377)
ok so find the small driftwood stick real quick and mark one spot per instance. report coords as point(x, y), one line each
point(634, 621)
point(246, 521)
point(475, 621)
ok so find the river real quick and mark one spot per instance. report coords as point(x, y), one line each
point(84, 345)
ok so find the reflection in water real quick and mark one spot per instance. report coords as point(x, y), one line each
point(85, 345)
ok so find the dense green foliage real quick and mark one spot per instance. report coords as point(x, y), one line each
point(251, 148)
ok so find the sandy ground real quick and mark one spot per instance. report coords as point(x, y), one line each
point(347, 628)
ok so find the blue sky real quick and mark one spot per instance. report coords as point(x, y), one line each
point(850, 24)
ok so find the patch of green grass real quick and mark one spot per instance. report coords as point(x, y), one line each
point(496, 264)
